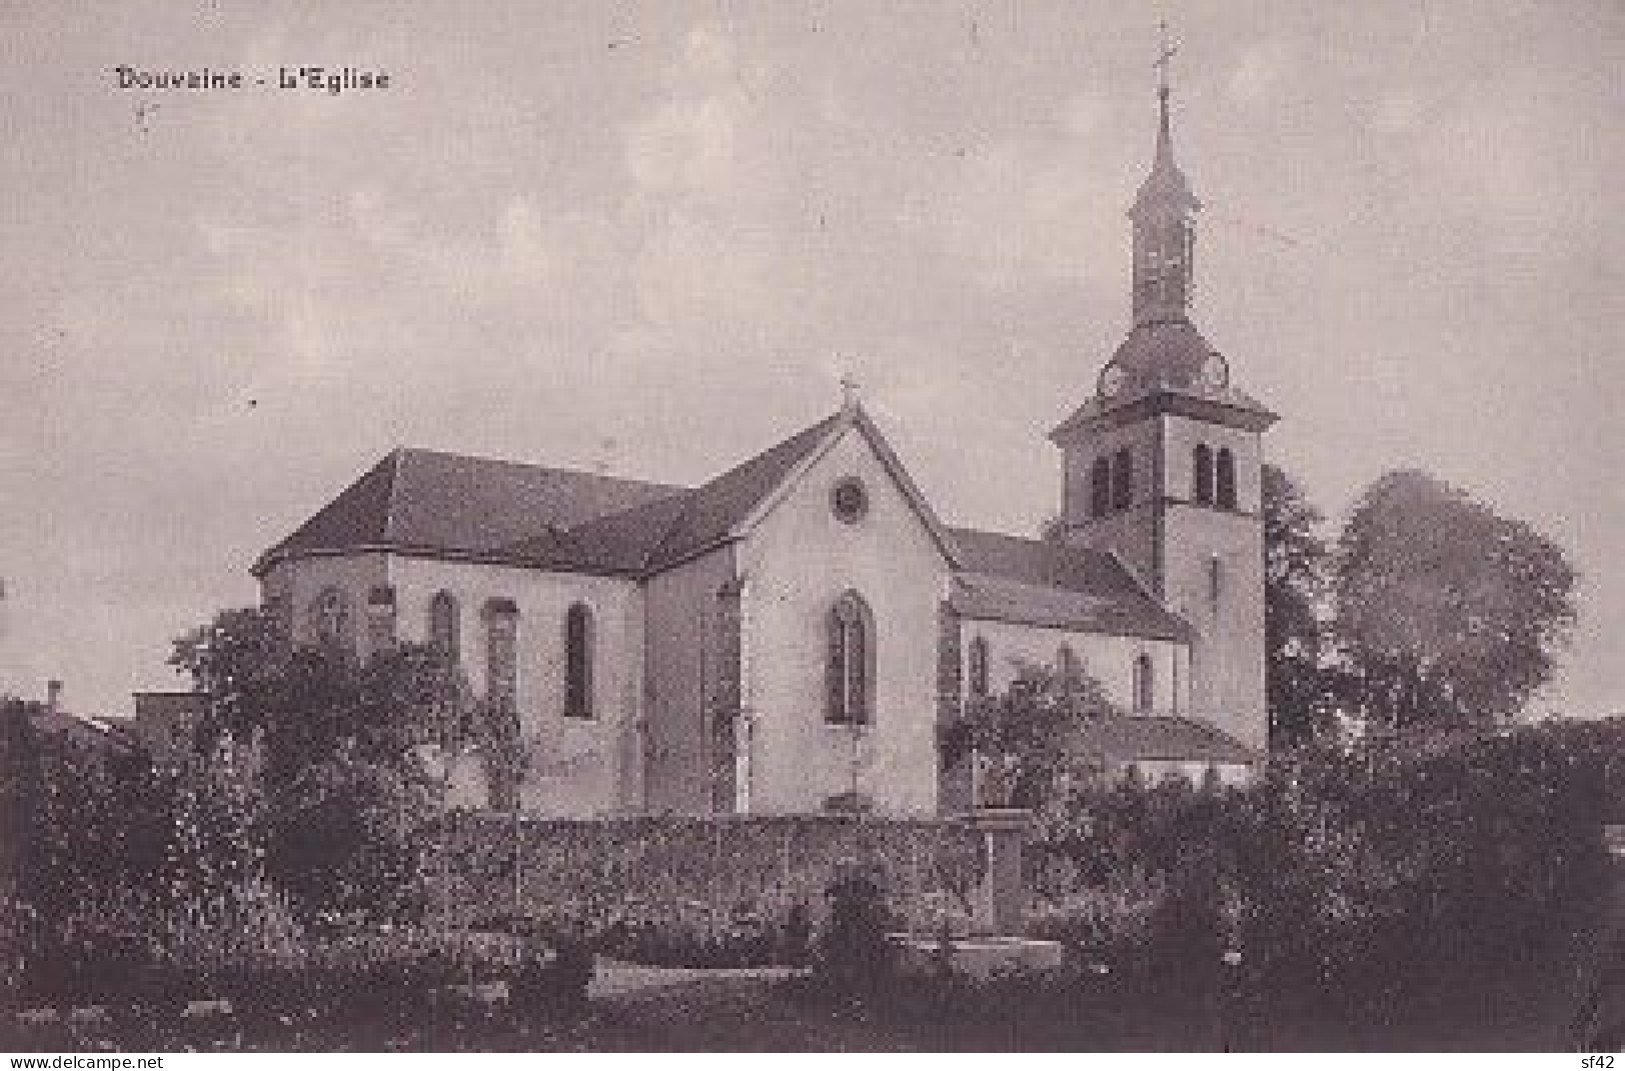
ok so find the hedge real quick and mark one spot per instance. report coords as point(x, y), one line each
point(696, 890)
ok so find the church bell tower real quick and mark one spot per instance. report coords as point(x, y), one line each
point(1163, 464)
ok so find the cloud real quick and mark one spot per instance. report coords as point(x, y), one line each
point(1259, 70)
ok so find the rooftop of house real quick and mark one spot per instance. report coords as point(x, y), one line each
point(1162, 737)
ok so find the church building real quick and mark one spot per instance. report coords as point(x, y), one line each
point(789, 636)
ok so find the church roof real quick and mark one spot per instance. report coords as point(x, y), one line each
point(1129, 739)
point(1166, 186)
point(656, 534)
point(1166, 358)
point(501, 512)
point(460, 506)
point(1037, 582)
point(713, 511)
point(504, 512)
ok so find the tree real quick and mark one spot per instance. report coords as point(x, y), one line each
point(344, 838)
point(237, 661)
point(1296, 586)
point(340, 741)
point(1447, 613)
point(307, 704)
point(1025, 738)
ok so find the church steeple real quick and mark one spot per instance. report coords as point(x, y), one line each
point(1164, 214)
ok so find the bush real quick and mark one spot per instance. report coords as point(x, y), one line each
point(854, 958)
point(1111, 923)
point(691, 935)
point(349, 841)
point(690, 891)
point(1360, 873)
point(250, 949)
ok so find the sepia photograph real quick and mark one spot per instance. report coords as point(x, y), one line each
point(864, 526)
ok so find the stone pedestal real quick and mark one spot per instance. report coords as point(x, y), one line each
point(1001, 901)
point(979, 958)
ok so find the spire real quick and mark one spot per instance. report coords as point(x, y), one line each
point(1163, 215)
point(1165, 142)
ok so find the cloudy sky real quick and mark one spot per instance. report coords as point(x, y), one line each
point(653, 236)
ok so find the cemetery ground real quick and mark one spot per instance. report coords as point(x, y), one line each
point(1527, 1007)
point(1453, 900)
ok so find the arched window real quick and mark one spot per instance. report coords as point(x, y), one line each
point(501, 650)
point(1143, 683)
point(578, 657)
point(1100, 488)
point(443, 625)
point(978, 666)
point(330, 618)
point(1202, 474)
point(1122, 479)
point(851, 669)
point(1227, 478)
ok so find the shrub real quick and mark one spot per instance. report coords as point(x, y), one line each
point(691, 935)
point(555, 967)
point(1364, 873)
point(854, 957)
point(1112, 923)
point(682, 890)
point(347, 840)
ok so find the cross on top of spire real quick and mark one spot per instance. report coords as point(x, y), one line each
point(1165, 55)
point(1166, 181)
point(851, 391)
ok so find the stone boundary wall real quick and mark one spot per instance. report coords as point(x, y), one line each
point(708, 869)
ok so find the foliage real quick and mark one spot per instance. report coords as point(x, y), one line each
point(248, 947)
point(1363, 872)
point(18, 776)
point(679, 935)
point(343, 839)
point(213, 818)
point(308, 703)
point(692, 891)
point(340, 745)
point(854, 956)
point(89, 820)
point(237, 660)
point(1024, 738)
point(1112, 921)
point(1299, 682)
point(115, 850)
point(507, 759)
point(1447, 612)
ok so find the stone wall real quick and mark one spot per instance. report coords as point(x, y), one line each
point(718, 866)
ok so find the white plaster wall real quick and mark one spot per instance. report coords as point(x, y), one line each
point(1130, 532)
point(796, 564)
point(1228, 652)
point(579, 765)
point(1109, 659)
point(681, 607)
point(1180, 438)
point(300, 580)
point(1153, 771)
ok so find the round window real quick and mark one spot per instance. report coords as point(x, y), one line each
point(849, 500)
